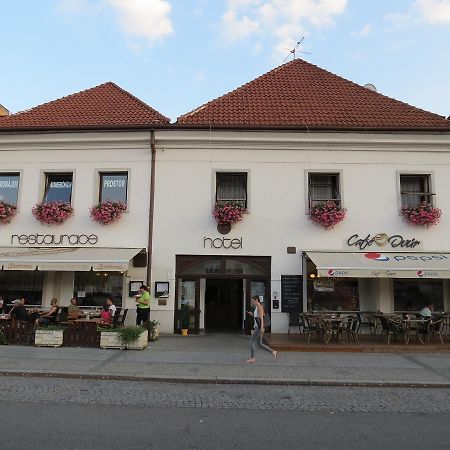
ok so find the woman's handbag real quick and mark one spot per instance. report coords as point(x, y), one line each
point(266, 321)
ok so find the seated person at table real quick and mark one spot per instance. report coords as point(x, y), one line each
point(426, 311)
point(1, 304)
point(111, 306)
point(18, 311)
point(74, 311)
point(50, 316)
point(105, 316)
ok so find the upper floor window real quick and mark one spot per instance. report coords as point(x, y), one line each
point(113, 186)
point(231, 187)
point(415, 189)
point(58, 187)
point(9, 187)
point(322, 188)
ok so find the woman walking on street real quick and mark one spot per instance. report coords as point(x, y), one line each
point(258, 332)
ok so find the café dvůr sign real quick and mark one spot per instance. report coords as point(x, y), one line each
point(381, 240)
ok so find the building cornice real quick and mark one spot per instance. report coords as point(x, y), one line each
point(271, 140)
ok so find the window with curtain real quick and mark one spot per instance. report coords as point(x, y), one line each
point(231, 188)
point(415, 189)
point(322, 188)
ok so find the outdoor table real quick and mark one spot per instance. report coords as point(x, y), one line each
point(332, 324)
point(417, 322)
point(5, 317)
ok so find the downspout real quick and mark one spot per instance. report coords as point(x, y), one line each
point(151, 208)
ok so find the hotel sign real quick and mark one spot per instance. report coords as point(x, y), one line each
point(381, 240)
point(222, 242)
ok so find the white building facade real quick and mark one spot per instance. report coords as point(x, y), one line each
point(72, 163)
point(277, 161)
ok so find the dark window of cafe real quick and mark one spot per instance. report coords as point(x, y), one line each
point(413, 295)
point(58, 187)
point(9, 187)
point(113, 187)
point(17, 283)
point(93, 288)
point(231, 187)
point(322, 188)
point(415, 189)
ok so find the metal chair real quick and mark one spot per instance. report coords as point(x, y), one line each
point(393, 327)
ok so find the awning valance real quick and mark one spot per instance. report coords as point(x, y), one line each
point(381, 265)
point(67, 259)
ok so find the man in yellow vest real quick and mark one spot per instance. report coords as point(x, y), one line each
point(142, 305)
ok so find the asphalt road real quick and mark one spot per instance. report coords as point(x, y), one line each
point(57, 413)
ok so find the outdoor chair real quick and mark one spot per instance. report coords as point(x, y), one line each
point(62, 315)
point(367, 321)
point(310, 326)
point(352, 329)
point(121, 319)
point(294, 321)
point(115, 319)
point(435, 330)
point(393, 327)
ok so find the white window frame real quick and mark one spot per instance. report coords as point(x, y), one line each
point(99, 172)
point(430, 175)
point(214, 181)
point(338, 172)
point(43, 182)
point(19, 192)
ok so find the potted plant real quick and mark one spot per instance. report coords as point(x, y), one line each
point(425, 214)
point(49, 336)
point(109, 338)
point(327, 214)
point(52, 213)
point(152, 327)
point(107, 212)
point(3, 340)
point(7, 212)
point(185, 318)
point(226, 215)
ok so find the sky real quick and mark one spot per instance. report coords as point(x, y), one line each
point(176, 55)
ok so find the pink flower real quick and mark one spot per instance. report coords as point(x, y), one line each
point(7, 212)
point(228, 213)
point(327, 214)
point(424, 214)
point(51, 213)
point(107, 212)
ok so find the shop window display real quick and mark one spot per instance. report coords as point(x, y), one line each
point(413, 295)
point(17, 283)
point(93, 288)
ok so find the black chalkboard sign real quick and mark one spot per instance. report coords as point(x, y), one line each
point(291, 293)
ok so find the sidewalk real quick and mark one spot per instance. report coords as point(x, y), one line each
point(219, 358)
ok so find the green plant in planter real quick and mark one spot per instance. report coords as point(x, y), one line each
point(3, 340)
point(151, 326)
point(129, 334)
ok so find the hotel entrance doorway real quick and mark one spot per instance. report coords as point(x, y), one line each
point(224, 304)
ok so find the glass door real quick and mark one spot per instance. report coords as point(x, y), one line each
point(188, 305)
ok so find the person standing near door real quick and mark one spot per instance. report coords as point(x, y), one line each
point(142, 305)
point(258, 332)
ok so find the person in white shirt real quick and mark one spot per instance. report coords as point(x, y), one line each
point(426, 311)
point(112, 307)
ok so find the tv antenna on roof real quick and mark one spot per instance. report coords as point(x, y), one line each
point(293, 51)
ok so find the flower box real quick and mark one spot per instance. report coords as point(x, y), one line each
point(425, 214)
point(107, 212)
point(111, 339)
point(48, 338)
point(327, 214)
point(226, 215)
point(7, 212)
point(52, 213)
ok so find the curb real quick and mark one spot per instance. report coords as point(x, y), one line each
point(268, 382)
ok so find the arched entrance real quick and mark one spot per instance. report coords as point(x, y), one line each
point(213, 292)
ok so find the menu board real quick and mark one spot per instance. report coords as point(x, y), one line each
point(291, 293)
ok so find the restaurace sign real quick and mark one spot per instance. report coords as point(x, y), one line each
point(381, 239)
point(53, 239)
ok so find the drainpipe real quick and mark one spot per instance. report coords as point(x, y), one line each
point(151, 209)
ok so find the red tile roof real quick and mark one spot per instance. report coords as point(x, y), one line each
point(301, 95)
point(102, 107)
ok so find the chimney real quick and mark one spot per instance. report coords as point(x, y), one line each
point(3, 111)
